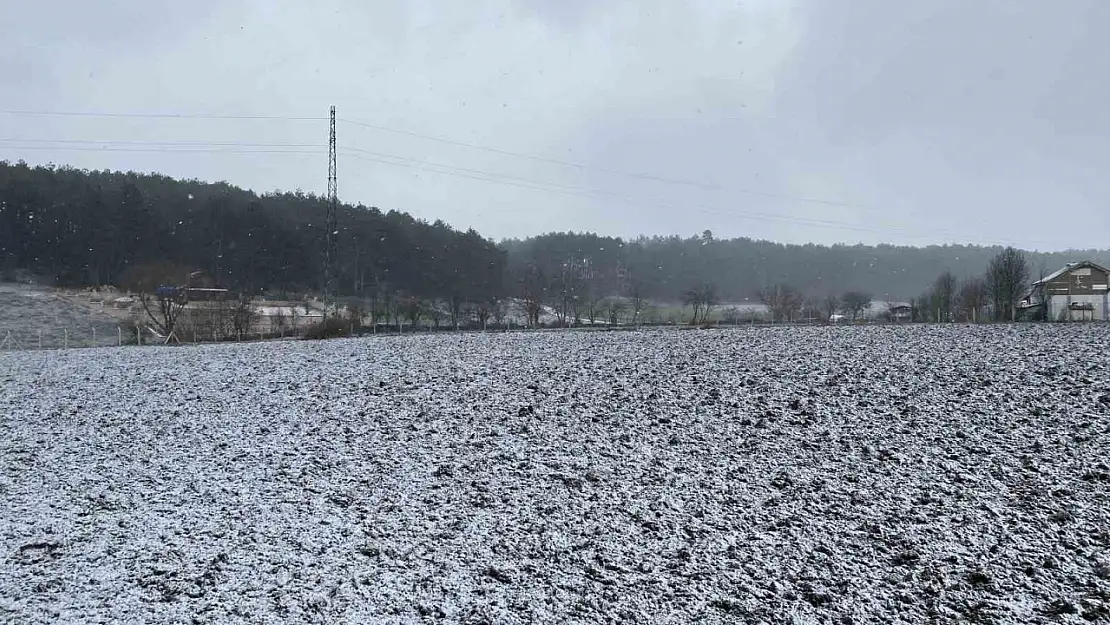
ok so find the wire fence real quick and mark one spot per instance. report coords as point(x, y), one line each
point(119, 336)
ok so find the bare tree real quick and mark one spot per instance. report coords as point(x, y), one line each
point(532, 293)
point(381, 302)
point(782, 300)
point(829, 306)
point(161, 290)
point(499, 311)
point(855, 302)
point(709, 299)
point(531, 309)
point(587, 298)
point(412, 309)
point(702, 298)
point(569, 293)
point(454, 308)
point(888, 312)
point(923, 309)
point(972, 297)
point(243, 315)
point(356, 311)
point(483, 310)
point(692, 298)
point(1007, 274)
point(435, 311)
point(731, 315)
point(637, 299)
point(278, 322)
point(944, 295)
point(615, 307)
point(594, 307)
point(811, 309)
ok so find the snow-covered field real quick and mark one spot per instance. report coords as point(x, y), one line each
point(32, 313)
point(778, 475)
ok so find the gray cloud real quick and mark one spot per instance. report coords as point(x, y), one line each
point(917, 122)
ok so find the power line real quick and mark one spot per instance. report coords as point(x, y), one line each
point(586, 192)
point(478, 175)
point(532, 157)
point(200, 147)
point(159, 143)
point(186, 147)
point(581, 166)
point(164, 150)
point(655, 178)
point(40, 113)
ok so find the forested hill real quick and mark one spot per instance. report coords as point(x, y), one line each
point(90, 227)
point(666, 267)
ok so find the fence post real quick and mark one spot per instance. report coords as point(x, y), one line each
point(94, 337)
point(138, 336)
point(65, 338)
point(119, 336)
point(194, 336)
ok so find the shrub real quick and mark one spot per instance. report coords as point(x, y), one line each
point(329, 328)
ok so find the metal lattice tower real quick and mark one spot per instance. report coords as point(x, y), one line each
point(331, 252)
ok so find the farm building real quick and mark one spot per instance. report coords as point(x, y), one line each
point(900, 312)
point(1077, 292)
point(290, 316)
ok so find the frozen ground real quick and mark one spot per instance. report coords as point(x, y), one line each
point(778, 475)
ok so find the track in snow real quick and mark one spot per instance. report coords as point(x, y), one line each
point(843, 475)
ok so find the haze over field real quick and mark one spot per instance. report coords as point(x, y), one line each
point(910, 123)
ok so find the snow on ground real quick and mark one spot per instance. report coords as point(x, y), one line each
point(779, 475)
point(28, 312)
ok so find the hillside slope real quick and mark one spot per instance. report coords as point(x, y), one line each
point(26, 311)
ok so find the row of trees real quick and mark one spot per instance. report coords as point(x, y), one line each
point(951, 299)
point(787, 304)
point(97, 228)
point(993, 295)
point(668, 267)
point(93, 228)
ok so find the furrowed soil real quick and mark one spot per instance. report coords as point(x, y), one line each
point(759, 475)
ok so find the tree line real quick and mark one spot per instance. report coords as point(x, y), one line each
point(92, 228)
point(992, 295)
point(87, 228)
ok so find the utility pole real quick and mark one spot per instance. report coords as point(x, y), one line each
point(331, 252)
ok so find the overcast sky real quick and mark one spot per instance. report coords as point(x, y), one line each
point(907, 122)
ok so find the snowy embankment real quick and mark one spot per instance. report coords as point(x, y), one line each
point(824, 475)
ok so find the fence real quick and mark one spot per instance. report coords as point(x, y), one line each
point(118, 336)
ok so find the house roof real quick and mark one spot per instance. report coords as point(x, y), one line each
point(1069, 267)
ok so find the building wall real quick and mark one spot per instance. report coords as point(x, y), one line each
point(1079, 281)
point(1058, 307)
point(1077, 285)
